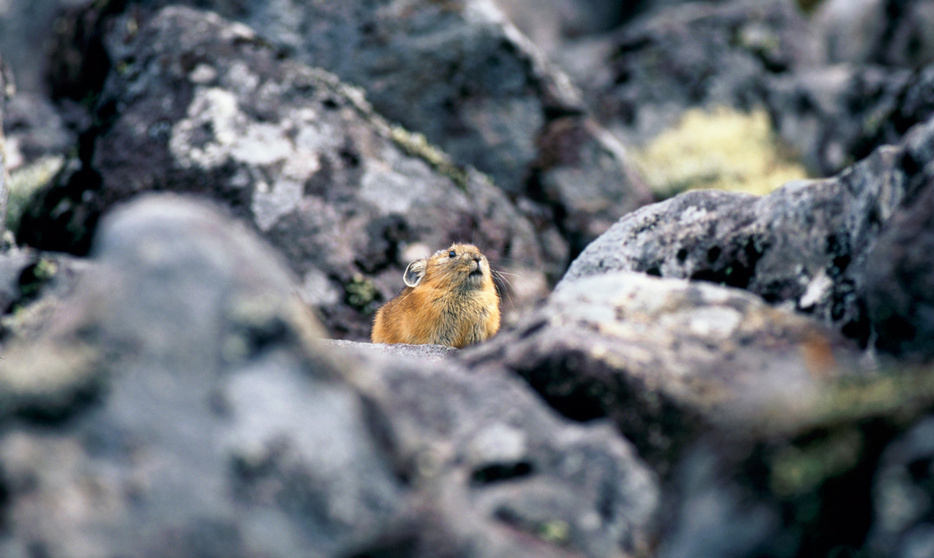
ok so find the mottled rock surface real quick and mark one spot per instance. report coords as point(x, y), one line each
point(806, 244)
point(691, 55)
point(198, 104)
point(899, 280)
point(665, 359)
point(884, 32)
point(179, 405)
point(836, 116)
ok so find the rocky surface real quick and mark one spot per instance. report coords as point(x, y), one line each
point(695, 54)
point(806, 245)
point(667, 359)
point(195, 414)
point(347, 198)
point(718, 374)
point(884, 32)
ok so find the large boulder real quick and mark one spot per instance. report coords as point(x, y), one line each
point(805, 245)
point(179, 404)
point(667, 359)
point(467, 79)
point(198, 104)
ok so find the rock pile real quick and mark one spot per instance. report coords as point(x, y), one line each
point(201, 192)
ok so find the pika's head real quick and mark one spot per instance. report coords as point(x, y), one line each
point(460, 266)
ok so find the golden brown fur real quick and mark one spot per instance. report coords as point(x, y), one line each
point(449, 300)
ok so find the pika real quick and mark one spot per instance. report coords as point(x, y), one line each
point(449, 299)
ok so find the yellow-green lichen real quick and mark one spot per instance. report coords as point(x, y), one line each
point(361, 292)
point(723, 149)
point(25, 182)
point(417, 145)
point(555, 531)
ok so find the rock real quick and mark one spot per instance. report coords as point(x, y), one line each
point(837, 116)
point(187, 409)
point(463, 76)
point(899, 280)
point(198, 104)
point(903, 495)
point(818, 487)
point(696, 55)
point(489, 456)
point(35, 129)
point(805, 245)
point(6, 88)
point(666, 359)
point(566, 19)
point(25, 36)
point(887, 32)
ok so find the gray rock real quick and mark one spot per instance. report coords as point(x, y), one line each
point(899, 280)
point(888, 32)
point(667, 359)
point(198, 104)
point(6, 86)
point(693, 55)
point(488, 455)
point(804, 245)
point(903, 495)
point(467, 79)
point(838, 115)
point(187, 408)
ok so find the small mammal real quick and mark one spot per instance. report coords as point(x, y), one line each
point(449, 299)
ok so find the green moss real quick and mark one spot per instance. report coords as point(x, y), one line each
point(723, 149)
point(25, 182)
point(417, 145)
point(360, 293)
point(799, 470)
point(555, 532)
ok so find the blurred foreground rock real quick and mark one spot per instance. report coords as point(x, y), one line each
point(178, 404)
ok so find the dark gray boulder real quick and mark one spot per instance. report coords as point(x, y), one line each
point(467, 79)
point(885, 32)
point(899, 280)
point(179, 404)
point(198, 104)
point(691, 55)
point(903, 495)
point(838, 115)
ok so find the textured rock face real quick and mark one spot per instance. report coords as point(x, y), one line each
point(806, 244)
point(835, 117)
point(194, 414)
point(692, 55)
point(665, 359)
point(462, 75)
point(899, 280)
point(886, 32)
point(198, 104)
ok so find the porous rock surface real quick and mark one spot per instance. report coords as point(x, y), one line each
point(179, 405)
point(197, 104)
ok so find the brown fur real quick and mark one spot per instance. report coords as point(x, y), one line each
point(444, 304)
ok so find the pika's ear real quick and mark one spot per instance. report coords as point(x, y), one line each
point(415, 273)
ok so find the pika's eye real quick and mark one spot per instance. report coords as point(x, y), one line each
point(452, 254)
